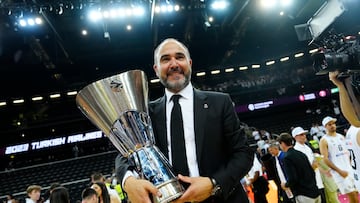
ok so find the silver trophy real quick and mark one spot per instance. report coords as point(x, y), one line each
point(118, 106)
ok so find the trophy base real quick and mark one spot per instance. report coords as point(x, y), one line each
point(170, 191)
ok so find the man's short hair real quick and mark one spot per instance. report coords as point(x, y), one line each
point(97, 176)
point(157, 49)
point(285, 138)
point(52, 187)
point(87, 193)
point(274, 144)
point(33, 187)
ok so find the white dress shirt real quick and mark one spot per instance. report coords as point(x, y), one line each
point(186, 102)
point(279, 169)
point(187, 109)
point(310, 155)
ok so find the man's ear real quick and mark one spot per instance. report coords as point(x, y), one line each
point(156, 69)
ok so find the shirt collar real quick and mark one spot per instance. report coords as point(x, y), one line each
point(185, 93)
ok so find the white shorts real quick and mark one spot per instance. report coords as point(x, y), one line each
point(346, 185)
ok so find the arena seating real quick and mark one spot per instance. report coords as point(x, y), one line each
point(73, 173)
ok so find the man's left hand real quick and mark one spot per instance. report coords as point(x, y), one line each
point(200, 188)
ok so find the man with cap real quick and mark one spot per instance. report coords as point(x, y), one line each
point(336, 156)
point(299, 134)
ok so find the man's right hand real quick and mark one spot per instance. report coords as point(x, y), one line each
point(138, 190)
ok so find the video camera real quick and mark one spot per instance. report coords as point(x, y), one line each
point(335, 51)
point(339, 52)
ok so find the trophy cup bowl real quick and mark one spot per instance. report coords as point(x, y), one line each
point(118, 106)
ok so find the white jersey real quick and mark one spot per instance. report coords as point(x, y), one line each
point(354, 149)
point(310, 155)
point(338, 154)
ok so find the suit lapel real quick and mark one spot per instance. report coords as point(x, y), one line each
point(159, 115)
point(200, 112)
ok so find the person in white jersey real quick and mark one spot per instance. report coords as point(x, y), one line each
point(336, 156)
point(299, 134)
point(353, 136)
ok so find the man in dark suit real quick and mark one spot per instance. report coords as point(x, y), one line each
point(300, 174)
point(217, 153)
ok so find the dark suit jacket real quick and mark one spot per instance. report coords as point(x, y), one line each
point(300, 174)
point(221, 144)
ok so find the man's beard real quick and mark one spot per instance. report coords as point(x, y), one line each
point(176, 85)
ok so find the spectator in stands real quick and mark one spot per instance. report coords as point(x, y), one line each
point(75, 151)
point(299, 134)
point(99, 177)
point(299, 173)
point(33, 192)
point(103, 194)
point(89, 195)
point(59, 195)
point(52, 187)
point(336, 156)
point(317, 130)
point(10, 199)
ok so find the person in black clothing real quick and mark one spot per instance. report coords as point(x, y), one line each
point(300, 175)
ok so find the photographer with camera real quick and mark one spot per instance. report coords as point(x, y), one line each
point(346, 104)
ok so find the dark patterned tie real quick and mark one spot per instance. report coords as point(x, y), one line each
point(178, 151)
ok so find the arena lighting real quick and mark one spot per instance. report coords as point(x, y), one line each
point(313, 50)
point(54, 96)
point(155, 80)
point(166, 8)
point(268, 63)
point(115, 13)
point(243, 68)
point(228, 70)
point(268, 4)
point(214, 72)
point(284, 59)
point(255, 66)
point(323, 17)
point(39, 98)
point(30, 21)
point(71, 93)
point(3, 103)
point(84, 32)
point(219, 5)
point(200, 74)
point(18, 101)
point(299, 55)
